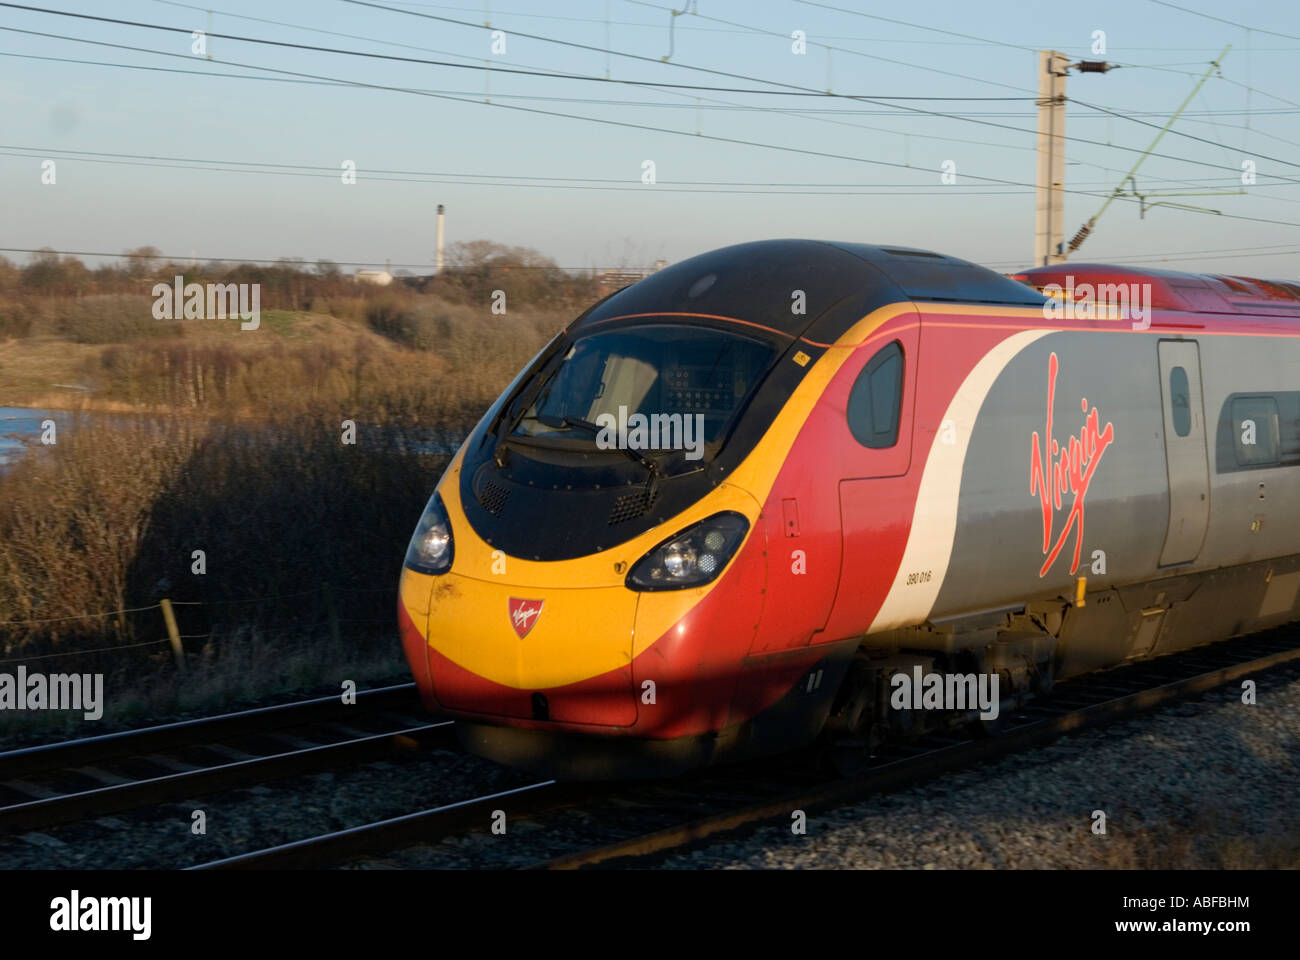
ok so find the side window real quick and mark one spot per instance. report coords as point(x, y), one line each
point(1180, 401)
point(1255, 423)
point(876, 400)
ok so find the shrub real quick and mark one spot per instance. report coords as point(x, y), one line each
point(112, 318)
point(14, 320)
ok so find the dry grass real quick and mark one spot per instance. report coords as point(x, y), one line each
point(243, 667)
point(30, 367)
point(432, 355)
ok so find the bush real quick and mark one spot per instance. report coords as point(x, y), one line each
point(108, 519)
point(398, 317)
point(112, 318)
point(14, 320)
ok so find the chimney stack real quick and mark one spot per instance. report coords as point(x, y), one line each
point(437, 263)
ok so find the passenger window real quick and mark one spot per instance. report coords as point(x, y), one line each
point(876, 400)
point(1180, 401)
point(1255, 422)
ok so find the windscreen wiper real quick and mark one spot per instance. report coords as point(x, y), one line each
point(656, 472)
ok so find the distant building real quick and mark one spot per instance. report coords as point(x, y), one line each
point(611, 280)
point(380, 278)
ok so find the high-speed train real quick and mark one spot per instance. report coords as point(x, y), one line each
point(726, 505)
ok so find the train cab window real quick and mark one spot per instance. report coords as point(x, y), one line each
point(661, 371)
point(1180, 401)
point(876, 400)
point(1255, 423)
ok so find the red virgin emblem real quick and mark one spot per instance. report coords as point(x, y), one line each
point(1057, 468)
point(524, 614)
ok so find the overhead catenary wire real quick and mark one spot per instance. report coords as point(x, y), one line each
point(298, 262)
point(594, 183)
point(547, 39)
point(286, 261)
point(529, 15)
point(368, 3)
point(1173, 257)
point(929, 68)
point(588, 100)
point(917, 111)
point(533, 110)
point(904, 23)
point(793, 91)
point(993, 42)
point(738, 188)
point(829, 116)
point(1187, 136)
point(785, 86)
point(648, 127)
point(722, 105)
point(1231, 23)
point(983, 40)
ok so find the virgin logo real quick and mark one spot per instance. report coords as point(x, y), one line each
point(524, 614)
point(1057, 469)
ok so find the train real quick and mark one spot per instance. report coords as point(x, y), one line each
point(727, 507)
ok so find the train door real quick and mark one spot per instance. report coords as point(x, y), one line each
point(876, 497)
point(1185, 451)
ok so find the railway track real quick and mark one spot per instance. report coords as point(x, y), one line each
point(78, 779)
point(642, 822)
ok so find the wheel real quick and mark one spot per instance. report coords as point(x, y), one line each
point(852, 711)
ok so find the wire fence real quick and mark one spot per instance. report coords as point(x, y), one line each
point(175, 638)
point(92, 616)
point(73, 653)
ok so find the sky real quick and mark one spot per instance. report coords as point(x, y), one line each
point(239, 152)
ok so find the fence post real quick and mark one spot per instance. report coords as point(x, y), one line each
point(173, 634)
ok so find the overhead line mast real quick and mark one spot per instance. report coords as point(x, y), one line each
point(1049, 206)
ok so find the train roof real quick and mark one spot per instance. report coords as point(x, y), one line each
point(1175, 290)
point(759, 278)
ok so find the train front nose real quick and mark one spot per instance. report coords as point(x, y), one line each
point(535, 650)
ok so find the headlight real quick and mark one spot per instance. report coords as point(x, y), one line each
point(431, 546)
point(693, 557)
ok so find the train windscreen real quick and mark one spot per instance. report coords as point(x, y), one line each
point(652, 370)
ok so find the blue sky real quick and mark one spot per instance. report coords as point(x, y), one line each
point(882, 187)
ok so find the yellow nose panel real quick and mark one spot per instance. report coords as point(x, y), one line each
point(576, 633)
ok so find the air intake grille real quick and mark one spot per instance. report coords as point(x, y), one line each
point(630, 506)
point(492, 497)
